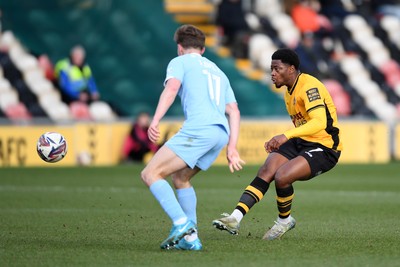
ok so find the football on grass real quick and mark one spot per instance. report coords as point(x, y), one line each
point(51, 147)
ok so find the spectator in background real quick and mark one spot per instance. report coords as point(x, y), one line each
point(137, 144)
point(315, 30)
point(305, 15)
point(233, 27)
point(333, 9)
point(47, 66)
point(312, 56)
point(75, 78)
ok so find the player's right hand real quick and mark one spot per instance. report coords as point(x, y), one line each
point(275, 143)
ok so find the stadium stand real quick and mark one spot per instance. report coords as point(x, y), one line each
point(361, 55)
point(340, 97)
point(18, 112)
point(128, 47)
point(34, 94)
point(80, 110)
point(101, 111)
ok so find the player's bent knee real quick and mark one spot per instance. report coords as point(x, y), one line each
point(180, 183)
point(282, 178)
point(145, 176)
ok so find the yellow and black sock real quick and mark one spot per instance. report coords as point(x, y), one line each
point(284, 197)
point(252, 194)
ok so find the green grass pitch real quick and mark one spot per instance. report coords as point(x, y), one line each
point(105, 216)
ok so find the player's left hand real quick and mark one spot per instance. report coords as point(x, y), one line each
point(153, 132)
point(234, 160)
point(275, 143)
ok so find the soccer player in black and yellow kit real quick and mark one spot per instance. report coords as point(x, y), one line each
point(311, 148)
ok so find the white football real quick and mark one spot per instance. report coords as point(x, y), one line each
point(51, 147)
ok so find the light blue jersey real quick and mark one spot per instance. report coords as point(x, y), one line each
point(204, 92)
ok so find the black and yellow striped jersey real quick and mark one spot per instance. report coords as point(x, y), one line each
point(313, 113)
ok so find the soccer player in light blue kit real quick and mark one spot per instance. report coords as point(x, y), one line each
point(212, 119)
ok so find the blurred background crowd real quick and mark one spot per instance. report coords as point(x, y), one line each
point(104, 60)
point(353, 46)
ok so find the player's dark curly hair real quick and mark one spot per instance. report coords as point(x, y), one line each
point(287, 56)
point(190, 36)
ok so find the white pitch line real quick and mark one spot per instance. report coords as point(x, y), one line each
point(55, 189)
point(350, 193)
point(66, 210)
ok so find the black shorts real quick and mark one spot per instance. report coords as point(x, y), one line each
point(320, 158)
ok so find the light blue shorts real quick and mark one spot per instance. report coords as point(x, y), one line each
point(199, 147)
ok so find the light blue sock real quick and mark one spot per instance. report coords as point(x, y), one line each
point(188, 201)
point(165, 195)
